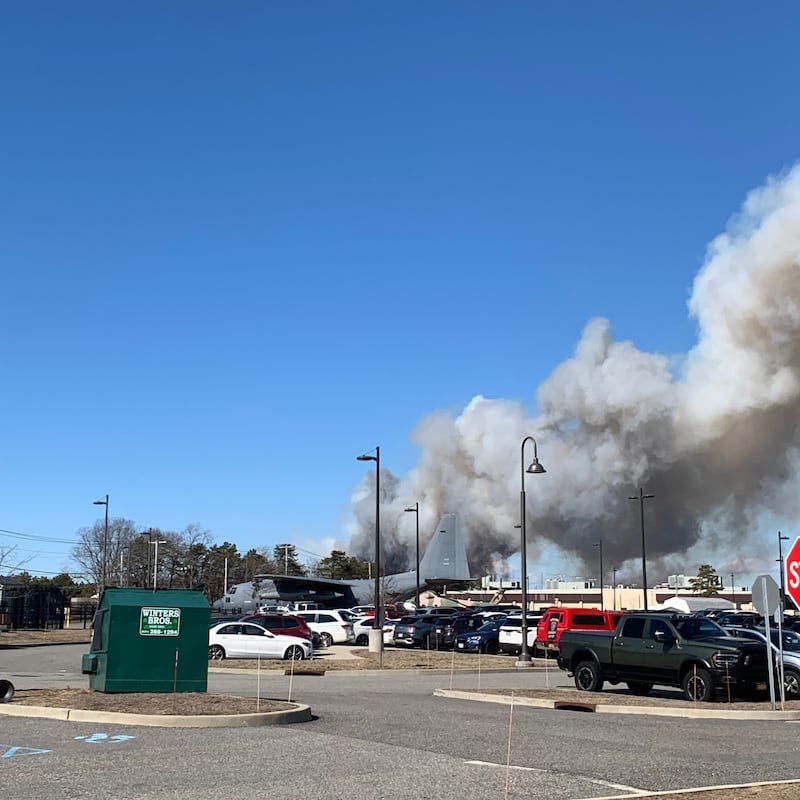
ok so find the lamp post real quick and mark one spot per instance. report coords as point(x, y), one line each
point(415, 511)
point(641, 497)
point(105, 541)
point(535, 468)
point(783, 577)
point(376, 634)
point(602, 599)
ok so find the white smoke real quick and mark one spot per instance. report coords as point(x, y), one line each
point(716, 441)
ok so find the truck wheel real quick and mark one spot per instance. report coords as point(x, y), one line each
point(791, 683)
point(640, 688)
point(697, 685)
point(588, 678)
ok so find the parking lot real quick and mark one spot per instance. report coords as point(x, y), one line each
point(381, 735)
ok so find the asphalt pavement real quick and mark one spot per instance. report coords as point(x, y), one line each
point(375, 735)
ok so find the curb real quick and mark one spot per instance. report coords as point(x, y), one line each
point(300, 713)
point(692, 712)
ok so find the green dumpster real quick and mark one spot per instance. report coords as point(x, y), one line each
point(149, 641)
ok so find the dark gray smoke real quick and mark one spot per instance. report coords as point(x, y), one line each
point(715, 438)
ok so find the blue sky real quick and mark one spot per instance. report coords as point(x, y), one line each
point(244, 242)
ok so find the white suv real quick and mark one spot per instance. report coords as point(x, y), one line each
point(509, 637)
point(331, 625)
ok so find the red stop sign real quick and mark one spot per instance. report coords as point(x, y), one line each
point(792, 569)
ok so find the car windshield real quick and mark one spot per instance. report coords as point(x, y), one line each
point(699, 628)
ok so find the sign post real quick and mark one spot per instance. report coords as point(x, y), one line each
point(766, 600)
point(791, 567)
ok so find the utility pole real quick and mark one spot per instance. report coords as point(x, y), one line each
point(641, 497)
point(156, 543)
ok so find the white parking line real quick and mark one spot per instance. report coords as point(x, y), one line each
point(493, 764)
point(619, 786)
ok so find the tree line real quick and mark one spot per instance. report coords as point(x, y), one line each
point(126, 556)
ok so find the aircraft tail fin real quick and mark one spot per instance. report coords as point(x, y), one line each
point(445, 559)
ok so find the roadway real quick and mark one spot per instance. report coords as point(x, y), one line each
point(378, 735)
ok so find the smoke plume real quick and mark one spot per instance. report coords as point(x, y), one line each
point(714, 438)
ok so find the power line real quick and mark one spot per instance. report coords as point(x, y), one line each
point(18, 549)
point(34, 538)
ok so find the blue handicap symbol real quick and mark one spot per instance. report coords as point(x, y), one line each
point(21, 751)
point(104, 737)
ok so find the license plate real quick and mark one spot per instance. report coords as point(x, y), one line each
point(460, 645)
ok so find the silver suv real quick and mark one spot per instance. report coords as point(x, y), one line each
point(791, 653)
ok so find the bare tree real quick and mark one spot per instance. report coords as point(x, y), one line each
point(10, 560)
point(100, 555)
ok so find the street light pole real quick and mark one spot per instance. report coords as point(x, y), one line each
point(104, 567)
point(641, 497)
point(415, 510)
point(783, 577)
point(376, 634)
point(535, 468)
point(602, 598)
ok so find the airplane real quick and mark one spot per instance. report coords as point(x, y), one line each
point(444, 562)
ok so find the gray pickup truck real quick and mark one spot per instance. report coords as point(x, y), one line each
point(691, 653)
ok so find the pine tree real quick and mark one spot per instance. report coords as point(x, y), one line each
point(706, 584)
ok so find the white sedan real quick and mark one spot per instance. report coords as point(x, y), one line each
point(363, 625)
point(248, 640)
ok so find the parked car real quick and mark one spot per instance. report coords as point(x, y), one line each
point(286, 624)
point(248, 640)
point(648, 648)
point(416, 631)
point(558, 619)
point(331, 626)
point(749, 619)
point(510, 635)
point(446, 629)
point(440, 611)
point(362, 627)
point(503, 608)
point(485, 639)
point(390, 611)
point(791, 653)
